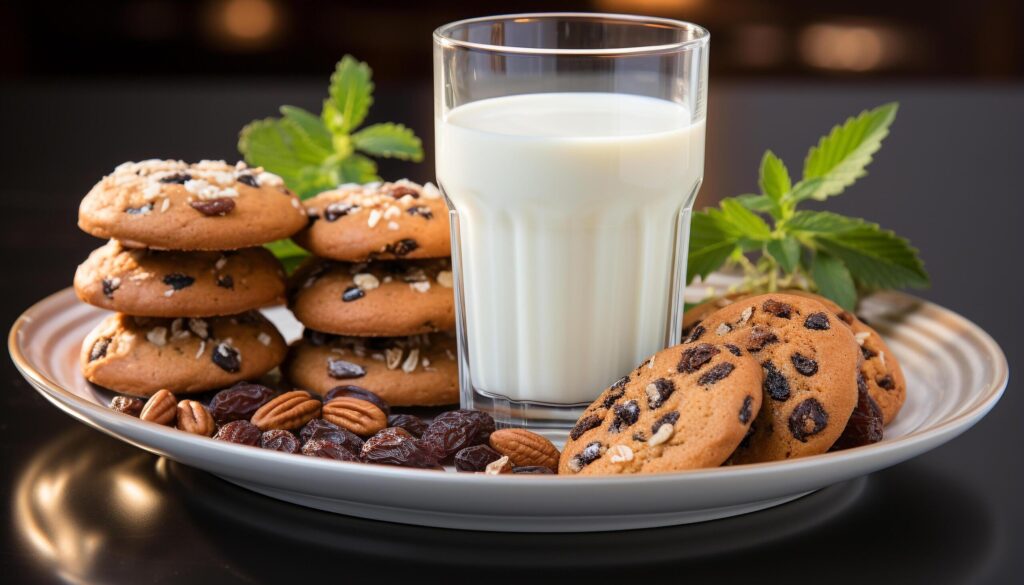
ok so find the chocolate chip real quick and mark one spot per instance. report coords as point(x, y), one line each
point(817, 321)
point(214, 207)
point(808, 419)
point(336, 210)
point(695, 357)
point(99, 349)
point(760, 337)
point(177, 178)
point(621, 382)
point(626, 415)
point(109, 286)
point(867, 353)
point(352, 293)
point(640, 436)
point(588, 455)
point(886, 382)
point(226, 281)
point(745, 442)
point(658, 392)
point(733, 349)
point(227, 358)
point(775, 384)
point(317, 338)
point(583, 425)
point(613, 395)
point(140, 210)
point(804, 364)
point(779, 309)
point(420, 210)
point(342, 370)
point(402, 247)
point(247, 179)
point(715, 374)
point(669, 418)
point(696, 334)
point(178, 281)
point(746, 411)
point(399, 191)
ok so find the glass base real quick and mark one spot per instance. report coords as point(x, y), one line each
point(550, 420)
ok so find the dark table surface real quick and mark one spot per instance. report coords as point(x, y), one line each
point(84, 508)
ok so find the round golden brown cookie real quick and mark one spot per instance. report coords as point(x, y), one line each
point(140, 355)
point(810, 362)
point(210, 205)
point(152, 283)
point(686, 408)
point(697, 313)
point(419, 370)
point(379, 299)
point(377, 221)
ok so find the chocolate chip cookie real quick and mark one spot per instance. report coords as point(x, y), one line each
point(419, 370)
point(210, 205)
point(377, 221)
point(379, 299)
point(141, 355)
point(687, 407)
point(810, 362)
point(153, 283)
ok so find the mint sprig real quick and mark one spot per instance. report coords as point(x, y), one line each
point(835, 255)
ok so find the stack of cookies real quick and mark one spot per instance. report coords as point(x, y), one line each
point(377, 298)
point(185, 272)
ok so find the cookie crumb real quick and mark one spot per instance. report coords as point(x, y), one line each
point(444, 278)
point(421, 287)
point(664, 433)
point(264, 338)
point(366, 281)
point(202, 349)
point(393, 225)
point(374, 218)
point(157, 336)
point(393, 357)
point(410, 363)
point(620, 453)
point(861, 337)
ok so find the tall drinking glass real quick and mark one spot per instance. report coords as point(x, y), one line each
point(570, 148)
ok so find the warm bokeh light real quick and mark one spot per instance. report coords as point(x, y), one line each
point(244, 24)
point(849, 47)
point(759, 45)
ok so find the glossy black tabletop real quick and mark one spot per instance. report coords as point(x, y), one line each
point(80, 507)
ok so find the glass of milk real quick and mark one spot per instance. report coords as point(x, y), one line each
point(570, 148)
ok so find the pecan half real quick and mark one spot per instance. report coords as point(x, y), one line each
point(161, 408)
point(288, 411)
point(525, 448)
point(361, 417)
point(194, 418)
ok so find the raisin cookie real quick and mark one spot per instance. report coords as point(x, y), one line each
point(419, 370)
point(685, 408)
point(153, 283)
point(810, 361)
point(377, 221)
point(379, 299)
point(140, 355)
point(210, 205)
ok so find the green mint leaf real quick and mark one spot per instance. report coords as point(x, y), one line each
point(747, 223)
point(389, 140)
point(833, 280)
point(278, 148)
point(710, 244)
point(774, 177)
point(309, 129)
point(759, 203)
point(786, 252)
point(821, 222)
point(803, 190)
point(840, 158)
point(358, 169)
point(289, 253)
point(351, 94)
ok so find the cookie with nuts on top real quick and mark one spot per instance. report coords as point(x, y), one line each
point(141, 355)
point(377, 221)
point(155, 283)
point(172, 205)
point(419, 370)
point(378, 299)
point(810, 361)
point(687, 407)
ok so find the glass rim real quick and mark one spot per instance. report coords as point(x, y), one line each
point(442, 34)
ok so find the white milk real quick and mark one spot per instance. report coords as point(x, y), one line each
point(567, 205)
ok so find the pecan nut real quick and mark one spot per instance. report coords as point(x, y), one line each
point(361, 417)
point(161, 408)
point(288, 411)
point(194, 418)
point(524, 448)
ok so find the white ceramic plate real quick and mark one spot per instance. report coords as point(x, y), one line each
point(955, 375)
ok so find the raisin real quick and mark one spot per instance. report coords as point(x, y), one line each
point(867, 353)
point(227, 358)
point(342, 370)
point(804, 364)
point(775, 384)
point(352, 293)
point(178, 281)
point(214, 207)
point(817, 322)
point(865, 424)
point(658, 392)
point(625, 415)
point(247, 179)
point(280, 440)
point(109, 286)
point(696, 334)
point(736, 351)
point(327, 450)
point(413, 424)
point(420, 210)
point(226, 281)
point(885, 382)
point(533, 470)
point(399, 191)
point(583, 425)
point(613, 395)
point(140, 210)
point(454, 430)
point(127, 405)
point(99, 349)
point(239, 402)
point(395, 446)
point(360, 393)
point(320, 429)
point(242, 432)
point(588, 455)
point(402, 247)
point(640, 436)
point(176, 178)
point(475, 458)
point(316, 338)
point(808, 419)
point(745, 442)
point(335, 210)
point(669, 418)
point(715, 374)
point(695, 357)
point(760, 337)
point(779, 309)
point(746, 411)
